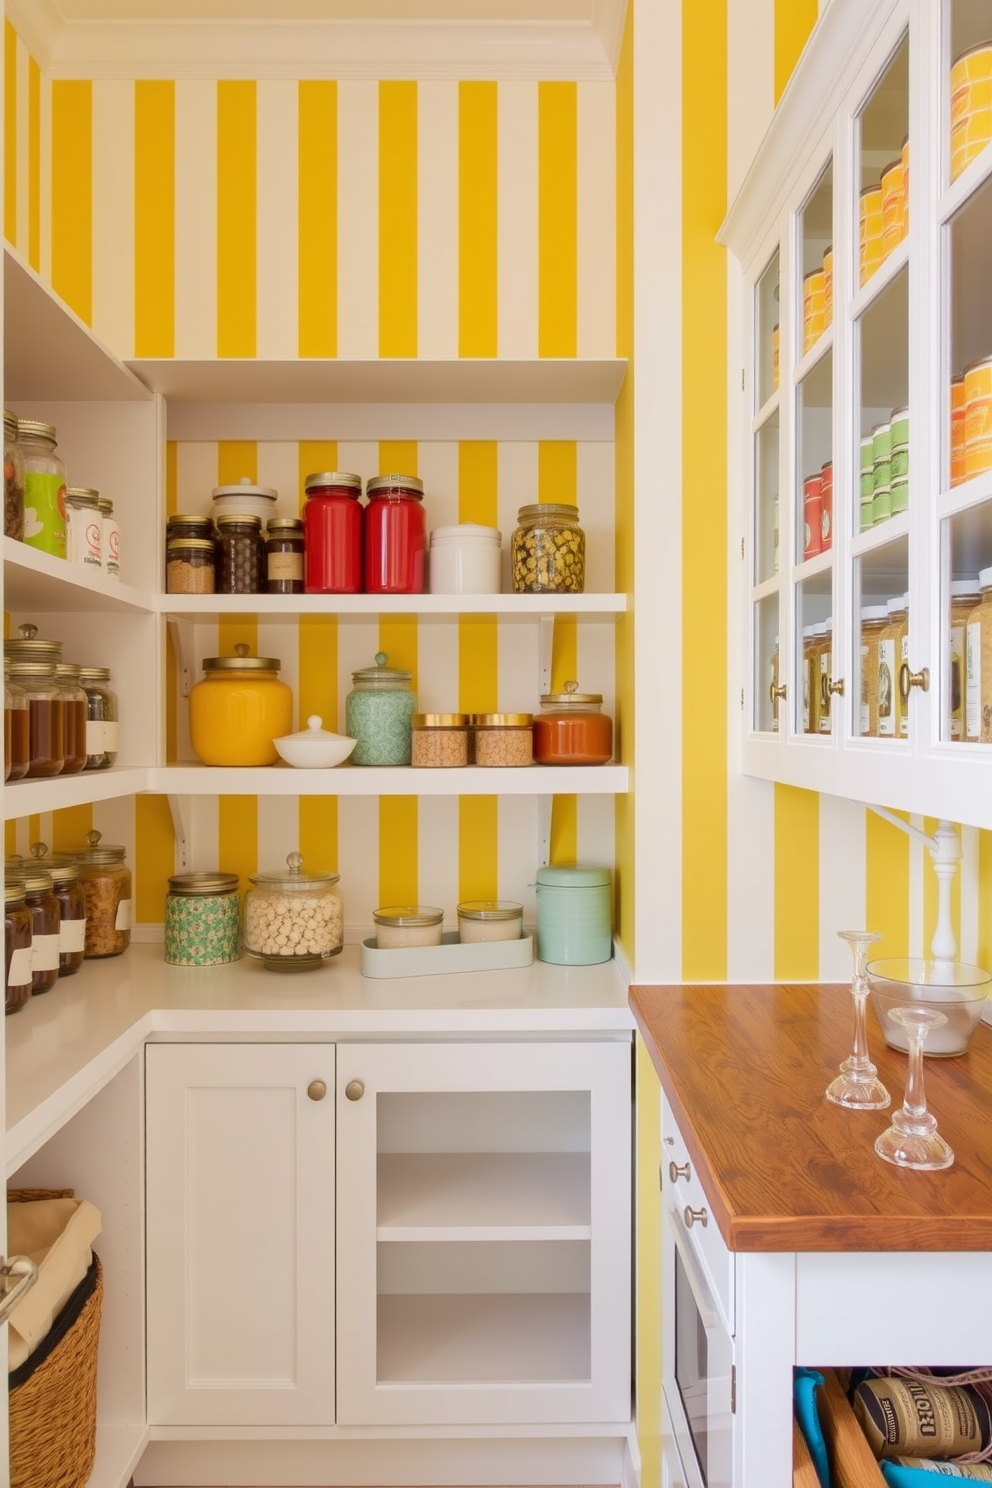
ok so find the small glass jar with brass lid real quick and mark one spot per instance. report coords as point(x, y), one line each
point(106, 883)
point(548, 550)
point(284, 555)
point(67, 675)
point(503, 739)
point(439, 740)
point(18, 935)
point(293, 921)
point(67, 890)
point(240, 554)
point(238, 709)
point(572, 729)
point(102, 717)
point(202, 919)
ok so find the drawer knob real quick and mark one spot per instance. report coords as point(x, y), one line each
point(776, 693)
point(908, 679)
point(836, 687)
point(695, 1216)
point(354, 1090)
point(675, 1172)
point(316, 1090)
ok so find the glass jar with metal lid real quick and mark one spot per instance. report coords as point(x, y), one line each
point(284, 556)
point(68, 891)
point(101, 717)
point(439, 739)
point(16, 728)
point(238, 709)
point(106, 884)
point(111, 539)
point(187, 524)
point(44, 488)
point(489, 919)
point(84, 527)
point(503, 739)
point(18, 934)
point(74, 705)
point(240, 555)
point(46, 727)
point(402, 925)
point(13, 479)
point(548, 550)
point(202, 914)
point(572, 729)
point(28, 645)
point(45, 920)
point(190, 565)
point(293, 920)
point(378, 711)
point(395, 535)
point(334, 523)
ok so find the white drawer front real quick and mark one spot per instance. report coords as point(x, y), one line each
point(684, 1193)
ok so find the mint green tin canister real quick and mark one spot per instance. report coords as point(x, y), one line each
point(574, 916)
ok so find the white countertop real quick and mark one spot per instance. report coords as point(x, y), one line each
point(66, 1044)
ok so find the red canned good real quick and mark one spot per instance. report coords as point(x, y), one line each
point(395, 535)
point(827, 507)
point(333, 533)
point(812, 515)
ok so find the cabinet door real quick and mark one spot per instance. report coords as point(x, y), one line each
point(484, 1233)
point(240, 1206)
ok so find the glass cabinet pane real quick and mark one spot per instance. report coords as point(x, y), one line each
point(766, 445)
point(766, 333)
point(881, 630)
point(814, 475)
point(767, 702)
point(815, 311)
point(966, 688)
point(883, 142)
point(970, 84)
point(884, 443)
point(969, 446)
point(814, 671)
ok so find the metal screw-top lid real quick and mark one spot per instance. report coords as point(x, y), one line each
point(83, 496)
point(439, 720)
point(240, 519)
point(571, 697)
point(67, 671)
point(548, 509)
point(36, 880)
point(488, 910)
point(28, 646)
point(97, 852)
point(380, 675)
point(13, 890)
point(241, 662)
point(381, 485)
point(190, 544)
point(10, 422)
point(182, 519)
point(285, 526)
point(333, 478)
point(294, 878)
point(502, 720)
point(198, 885)
point(94, 674)
point(404, 916)
point(62, 868)
point(36, 429)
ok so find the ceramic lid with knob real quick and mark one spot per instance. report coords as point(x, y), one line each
point(314, 747)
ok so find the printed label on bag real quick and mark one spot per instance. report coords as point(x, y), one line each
point(973, 682)
point(887, 688)
point(44, 952)
point(72, 936)
point(123, 920)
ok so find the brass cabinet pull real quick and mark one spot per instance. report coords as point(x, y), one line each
point(354, 1090)
point(695, 1216)
point(836, 686)
point(316, 1090)
point(675, 1172)
point(776, 692)
point(908, 679)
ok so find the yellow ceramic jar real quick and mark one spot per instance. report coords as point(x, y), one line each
point(238, 709)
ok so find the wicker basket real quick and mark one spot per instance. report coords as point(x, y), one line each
point(53, 1409)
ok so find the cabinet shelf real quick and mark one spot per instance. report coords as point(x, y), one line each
point(364, 607)
point(31, 797)
point(36, 581)
point(483, 1196)
point(387, 780)
point(887, 271)
point(510, 1338)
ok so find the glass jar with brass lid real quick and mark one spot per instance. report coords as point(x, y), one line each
point(16, 728)
point(399, 926)
point(45, 920)
point(67, 675)
point(240, 554)
point(293, 921)
point(503, 739)
point(439, 739)
point(202, 919)
point(190, 565)
point(572, 729)
point(378, 711)
point(106, 884)
point(284, 556)
point(548, 550)
point(102, 716)
point(46, 728)
point(44, 487)
point(67, 890)
point(13, 477)
point(238, 709)
point(84, 527)
point(18, 934)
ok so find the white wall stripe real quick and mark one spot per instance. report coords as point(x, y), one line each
point(358, 219)
point(917, 868)
point(595, 477)
point(277, 261)
point(437, 864)
point(204, 835)
point(597, 257)
point(750, 83)
point(517, 487)
point(596, 845)
point(437, 219)
point(196, 476)
point(518, 861)
point(113, 215)
point(23, 153)
point(278, 468)
point(278, 832)
point(968, 939)
point(517, 198)
point(196, 219)
point(358, 859)
point(842, 882)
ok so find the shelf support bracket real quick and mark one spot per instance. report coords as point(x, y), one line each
point(944, 848)
point(181, 635)
point(179, 808)
point(545, 639)
point(544, 804)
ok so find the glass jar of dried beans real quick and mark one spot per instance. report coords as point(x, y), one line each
point(241, 555)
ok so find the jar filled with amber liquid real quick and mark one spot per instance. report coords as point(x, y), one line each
point(73, 717)
point(45, 923)
point(15, 728)
point(18, 932)
point(46, 733)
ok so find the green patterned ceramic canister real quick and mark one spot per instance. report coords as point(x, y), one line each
point(201, 919)
point(378, 711)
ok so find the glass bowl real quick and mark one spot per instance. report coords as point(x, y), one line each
point(949, 987)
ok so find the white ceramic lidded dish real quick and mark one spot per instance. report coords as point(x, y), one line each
point(245, 499)
point(464, 559)
point(314, 748)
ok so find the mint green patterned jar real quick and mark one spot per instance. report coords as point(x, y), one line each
point(378, 711)
point(201, 919)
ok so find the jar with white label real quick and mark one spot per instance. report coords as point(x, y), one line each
point(101, 718)
point(823, 667)
point(18, 934)
point(106, 883)
point(67, 890)
point(810, 684)
point(111, 539)
point(978, 653)
point(84, 528)
point(966, 596)
point(45, 921)
point(890, 705)
point(873, 622)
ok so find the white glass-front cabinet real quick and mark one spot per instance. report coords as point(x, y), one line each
point(865, 487)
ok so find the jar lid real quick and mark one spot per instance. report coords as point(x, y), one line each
point(439, 720)
point(548, 509)
point(502, 720)
point(82, 496)
point(898, 415)
point(195, 885)
point(285, 524)
point(63, 868)
point(36, 880)
point(380, 673)
point(94, 674)
point(293, 877)
point(379, 485)
point(28, 646)
point(36, 429)
point(571, 695)
point(466, 532)
point(44, 669)
point(13, 891)
point(96, 851)
point(333, 478)
point(241, 519)
point(489, 910)
point(573, 878)
point(190, 544)
point(241, 662)
point(883, 428)
point(106, 506)
point(191, 519)
point(246, 487)
point(808, 631)
point(67, 671)
point(874, 612)
point(407, 916)
point(10, 422)
point(985, 577)
point(964, 588)
point(897, 605)
point(980, 46)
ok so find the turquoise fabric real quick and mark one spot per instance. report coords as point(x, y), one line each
point(805, 1383)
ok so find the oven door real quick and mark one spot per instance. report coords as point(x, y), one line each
point(697, 1361)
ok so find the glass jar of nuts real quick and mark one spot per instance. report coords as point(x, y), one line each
point(106, 883)
point(548, 550)
point(293, 920)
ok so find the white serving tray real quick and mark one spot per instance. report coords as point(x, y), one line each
point(450, 955)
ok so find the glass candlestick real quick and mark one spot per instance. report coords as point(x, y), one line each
point(912, 1141)
point(857, 1086)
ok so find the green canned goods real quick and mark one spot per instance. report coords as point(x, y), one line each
point(201, 919)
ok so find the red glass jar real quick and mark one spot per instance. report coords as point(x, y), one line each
point(571, 729)
point(333, 533)
point(395, 535)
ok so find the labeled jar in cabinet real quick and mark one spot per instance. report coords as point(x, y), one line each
point(395, 535)
point(439, 740)
point(502, 740)
point(202, 919)
point(111, 539)
point(334, 533)
point(45, 921)
point(46, 729)
point(106, 883)
point(293, 920)
point(44, 488)
point(238, 709)
point(548, 550)
point(978, 685)
point(891, 707)
point(67, 675)
point(400, 926)
point(873, 622)
point(574, 916)
point(378, 714)
point(823, 672)
point(240, 555)
point(572, 729)
point(810, 683)
point(190, 565)
point(84, 528)
point(13, 480)
point(102, 725)
point(67, 890)
point(16, 745)
point(18, 923)
point(966, 596)
point(489, 919)
point(284, 556)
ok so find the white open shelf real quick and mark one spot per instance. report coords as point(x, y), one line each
point(36, 581)
point(365, 607)
point(389, 780)
point(29, 797)
point(483, 1196)
point(508, 1337)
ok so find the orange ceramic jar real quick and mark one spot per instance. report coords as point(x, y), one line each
point(571, 729)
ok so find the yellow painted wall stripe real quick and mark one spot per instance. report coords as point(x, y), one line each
point(10, 132)
point(794, 20)
point(557, 217)
point(318, 219)
point(797, 885)
point(154, 218)
point(72, 195)
point(155, 858)
point(236, 217)
point(237, 836)
point(564, 848)
point(70, 826)
point(887, 885)
point(34, 165)
point(478, 847)
point(398, 868)
point(704, 495)
point(477, 220)
point(237, 458)
point(397, 219)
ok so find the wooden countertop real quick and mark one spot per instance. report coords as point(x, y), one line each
point(745, 1069)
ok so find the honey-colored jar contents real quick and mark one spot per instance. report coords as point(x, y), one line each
point(966, 596)
point(811, 683)
point(873, 621)
point(978, 684)
point(891, 708)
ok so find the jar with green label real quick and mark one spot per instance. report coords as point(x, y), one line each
point(202, 915)
point(378, 714)
point(44, 488)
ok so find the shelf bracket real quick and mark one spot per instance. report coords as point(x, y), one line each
point(179, 808)
point(181, 635)
point(545, 639)
point(944, 848)
point(544, 804)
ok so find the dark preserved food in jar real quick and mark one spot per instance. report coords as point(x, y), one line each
point(284, 556)
point(17, 937)
point(46, 730)
point(334, 523)
point(15, 730)
point(241, 553)
point(45, 924)
point(395, 535)
point(72, 912)
point(73, 717)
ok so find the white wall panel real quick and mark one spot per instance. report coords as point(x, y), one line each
point(278, 467)
point(842, 882)
point(196, 476)
point(518, 852)
point(23, 154)
point(437, 858)
point(358, 858)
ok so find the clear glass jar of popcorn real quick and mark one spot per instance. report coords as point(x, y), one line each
point(293, 920)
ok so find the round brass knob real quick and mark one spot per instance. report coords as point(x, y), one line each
point(776, 692)
point(695, 1216)
point(354, 1090)
point(908, 679)
point(316, 1090)
point(836, 686)
point(675, 1172)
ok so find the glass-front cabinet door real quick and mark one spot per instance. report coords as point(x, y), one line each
point(863, 238)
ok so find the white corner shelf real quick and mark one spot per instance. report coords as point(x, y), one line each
point(388, 780)
point(32, 797)
point(454, 1196)
point(36, 581)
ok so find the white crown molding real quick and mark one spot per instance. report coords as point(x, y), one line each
point(37, 23)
